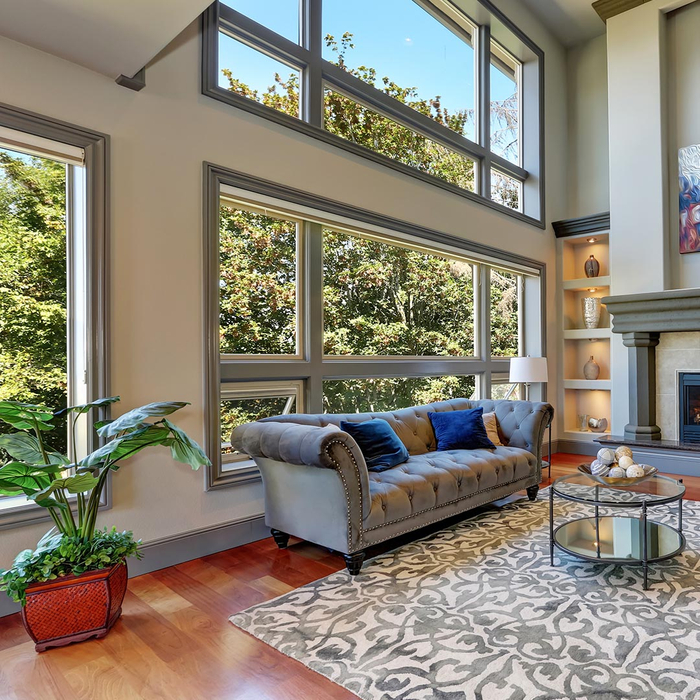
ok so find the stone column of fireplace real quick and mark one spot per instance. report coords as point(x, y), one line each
point(642, 385)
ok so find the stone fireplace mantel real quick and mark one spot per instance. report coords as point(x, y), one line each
point(640, 319)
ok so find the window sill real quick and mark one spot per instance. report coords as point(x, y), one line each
point(260, 110)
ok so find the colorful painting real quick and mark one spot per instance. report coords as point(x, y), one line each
point(689, 181)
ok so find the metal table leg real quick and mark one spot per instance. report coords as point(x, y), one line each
point(680, 510)
point(551, 525)
point(644, 546)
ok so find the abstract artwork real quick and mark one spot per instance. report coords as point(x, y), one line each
point(689, 181)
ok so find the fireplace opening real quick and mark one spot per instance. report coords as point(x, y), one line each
point(689, 406)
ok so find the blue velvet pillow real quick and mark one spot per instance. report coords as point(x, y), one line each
point(460, 430)
point(378, 442)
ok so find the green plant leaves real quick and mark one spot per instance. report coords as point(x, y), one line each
point(184, 449)
point(86, 407)
point(126, 446)
point(139, 415)
point(25, 448)
point(16, 477)
point(80, 483)
point(25, 416)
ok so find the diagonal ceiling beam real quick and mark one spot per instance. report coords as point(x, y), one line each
point(609, 8)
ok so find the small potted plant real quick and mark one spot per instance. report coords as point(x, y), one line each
point(72, 585)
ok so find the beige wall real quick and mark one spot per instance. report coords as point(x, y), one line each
point(683, 27)
point(159, 139)
point(587, 92)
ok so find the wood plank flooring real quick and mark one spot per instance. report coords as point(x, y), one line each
point(174, 641)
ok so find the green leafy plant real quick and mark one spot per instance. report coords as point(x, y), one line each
point(70, 489)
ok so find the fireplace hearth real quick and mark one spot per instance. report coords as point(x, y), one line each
point(689, 407)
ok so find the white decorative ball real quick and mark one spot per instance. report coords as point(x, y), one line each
point(599, 469)
point(634, 471)
point(606, 455)
point(625, 462)
point(617, 473)
point(623, 451)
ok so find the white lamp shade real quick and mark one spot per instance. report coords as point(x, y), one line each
point(528, 370)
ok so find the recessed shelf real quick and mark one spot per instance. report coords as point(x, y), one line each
point(584, 283)
point(582, 435)
point(587, 333)
point(587, 384)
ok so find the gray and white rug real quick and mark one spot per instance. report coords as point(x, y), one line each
point(476, 611)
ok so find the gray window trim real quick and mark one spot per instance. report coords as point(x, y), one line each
point(96, 148)
point(316, 72)
point(314, 368)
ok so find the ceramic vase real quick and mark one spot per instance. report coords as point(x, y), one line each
point(591, 370)
point(591, 311)
point(592, 267)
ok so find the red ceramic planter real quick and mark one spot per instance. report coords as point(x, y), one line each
point(74, 608)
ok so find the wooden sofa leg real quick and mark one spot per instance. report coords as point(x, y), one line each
point(354, 562)
point(532, 492)
point(281, 538)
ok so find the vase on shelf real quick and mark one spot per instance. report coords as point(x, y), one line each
point(592, 267)
point(591, 311)
point(591, 370)
point(582, 422)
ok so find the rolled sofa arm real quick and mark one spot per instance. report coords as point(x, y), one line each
point(325, 448)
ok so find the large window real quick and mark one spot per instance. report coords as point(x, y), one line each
point(313, 310)
point(418, 85)
point(52, 271)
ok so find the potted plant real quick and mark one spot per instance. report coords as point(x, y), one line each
point(72, 585)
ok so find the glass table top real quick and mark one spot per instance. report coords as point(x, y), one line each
point(617, 539)
point(657, 489)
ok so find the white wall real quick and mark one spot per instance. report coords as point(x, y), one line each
point(683, 28)
point(159, 139)
point(587, 92)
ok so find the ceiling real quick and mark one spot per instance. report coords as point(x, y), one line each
point(112, 37)
point(571, 21)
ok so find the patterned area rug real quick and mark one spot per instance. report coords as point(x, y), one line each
point(476, 611)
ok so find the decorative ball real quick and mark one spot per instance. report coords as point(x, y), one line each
point(599, 469)
point(606, 455)
point(625, 462)
point(617, 473)
point(634, 471)
point(623, 451)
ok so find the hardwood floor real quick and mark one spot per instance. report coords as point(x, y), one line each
point(174, 640)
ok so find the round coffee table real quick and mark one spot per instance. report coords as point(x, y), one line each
point(617, 539)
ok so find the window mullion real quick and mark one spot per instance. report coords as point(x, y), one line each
point(312, 76)
point(483, 62)
point(313, 309)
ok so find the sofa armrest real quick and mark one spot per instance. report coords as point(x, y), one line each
point(522, 423)
point(325, 448)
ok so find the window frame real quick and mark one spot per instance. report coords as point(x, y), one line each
point(313, 368)
point(93, 219)
point(317, 73)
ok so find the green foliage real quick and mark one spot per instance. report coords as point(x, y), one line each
point(33, 283)
point(52, 479)
point(59, 555)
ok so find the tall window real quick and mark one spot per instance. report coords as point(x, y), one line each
point(414, 84)
point(372, 320)
point(52, 296)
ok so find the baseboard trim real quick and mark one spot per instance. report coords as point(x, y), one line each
point(176, 549)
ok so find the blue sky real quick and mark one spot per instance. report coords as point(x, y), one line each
point(397, 37)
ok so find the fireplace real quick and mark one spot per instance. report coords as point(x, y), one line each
point(689, 407)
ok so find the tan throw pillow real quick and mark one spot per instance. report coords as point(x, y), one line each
point(491, 425)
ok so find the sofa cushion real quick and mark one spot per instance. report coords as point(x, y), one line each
point(437, 478)
point(491, 425)
point(379, 444)
point(460, 430)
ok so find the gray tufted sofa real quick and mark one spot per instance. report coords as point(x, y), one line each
point(318, 488)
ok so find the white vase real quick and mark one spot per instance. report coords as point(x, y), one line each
point(591, 311)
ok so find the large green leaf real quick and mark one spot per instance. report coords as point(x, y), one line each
point(86, 407)
point(127, 445)
point(134, 418)
point(80, 483)
point(184, 449)
point(24, 476)
point(24, 416)
point(25, 448)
